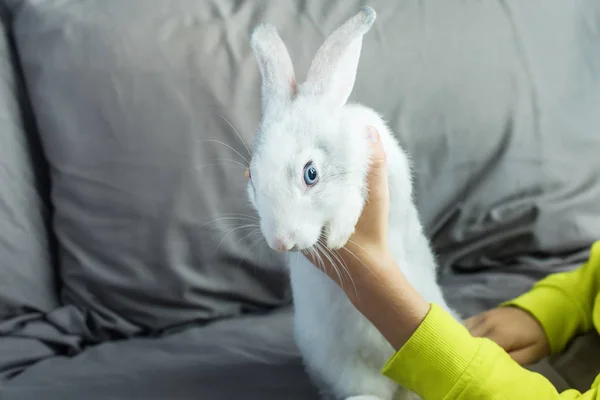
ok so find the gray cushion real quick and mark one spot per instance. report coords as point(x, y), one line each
point(27, 278)
point(496, 102)
point(130, 115)
point(251, 357)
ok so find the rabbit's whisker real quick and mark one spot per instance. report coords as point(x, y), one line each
point(237, 133)
point(229, 147)
point(234, 230)
point(225, 163)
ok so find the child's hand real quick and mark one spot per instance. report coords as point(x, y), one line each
point(367, 247)
point(515, 330)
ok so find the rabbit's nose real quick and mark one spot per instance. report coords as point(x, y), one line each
point(282, 245)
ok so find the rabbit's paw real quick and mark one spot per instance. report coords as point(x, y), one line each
point(338, 233)
point(341, 227)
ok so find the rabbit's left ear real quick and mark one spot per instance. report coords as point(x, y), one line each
point(278, 79)
point(333, 70)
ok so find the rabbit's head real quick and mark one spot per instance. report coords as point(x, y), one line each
point(309, 163)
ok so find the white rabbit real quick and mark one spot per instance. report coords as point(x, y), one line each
point(307, 181)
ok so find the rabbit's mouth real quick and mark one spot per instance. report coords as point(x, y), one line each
point(292, 240)
point(285, 245)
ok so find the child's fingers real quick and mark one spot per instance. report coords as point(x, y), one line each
point(374, 217)
point(472, 323)
point(377, 176)
point(481, 331)
point(525, 356)
point(494, 333)
point(478, 326)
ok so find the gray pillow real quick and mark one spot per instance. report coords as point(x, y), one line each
point(494, 100)
point(132, 112)
point(27, 278)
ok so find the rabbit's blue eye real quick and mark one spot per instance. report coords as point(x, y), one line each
point(310, 174)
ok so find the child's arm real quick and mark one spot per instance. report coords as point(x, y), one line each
point(563, 303)
point(544, 320)
point(442, 361)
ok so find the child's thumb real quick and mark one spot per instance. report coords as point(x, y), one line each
point(378, 168)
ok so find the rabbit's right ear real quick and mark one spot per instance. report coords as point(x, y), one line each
point(333, 70)
point(278, 79)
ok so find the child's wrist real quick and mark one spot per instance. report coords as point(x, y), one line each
point(390, 302)
point(372, 257)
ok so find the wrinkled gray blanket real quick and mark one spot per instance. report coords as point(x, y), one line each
point(252, 357)
point(506, 175)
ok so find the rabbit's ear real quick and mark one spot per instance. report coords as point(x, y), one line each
point(333, 70)
point(276, 69)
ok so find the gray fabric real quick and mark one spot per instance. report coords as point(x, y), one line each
point(129, 97)
point(475, 291)
point(579, 364)
point(130, 116)
point(576, 368)
point(27, 275)
point(251, 358)
point(27, 279)
point(496, 102)
point(27, 339)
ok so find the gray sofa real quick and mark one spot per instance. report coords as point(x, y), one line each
point(130, 266)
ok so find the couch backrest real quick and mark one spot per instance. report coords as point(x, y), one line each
point(137, 104)
point(27, 276)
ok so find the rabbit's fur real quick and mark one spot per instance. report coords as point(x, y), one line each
point(308, 123)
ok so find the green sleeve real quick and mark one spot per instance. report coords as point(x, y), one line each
point(563, 303)
point(442, 361)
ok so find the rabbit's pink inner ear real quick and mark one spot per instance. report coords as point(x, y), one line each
point(294, 87)
point(332, 73)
